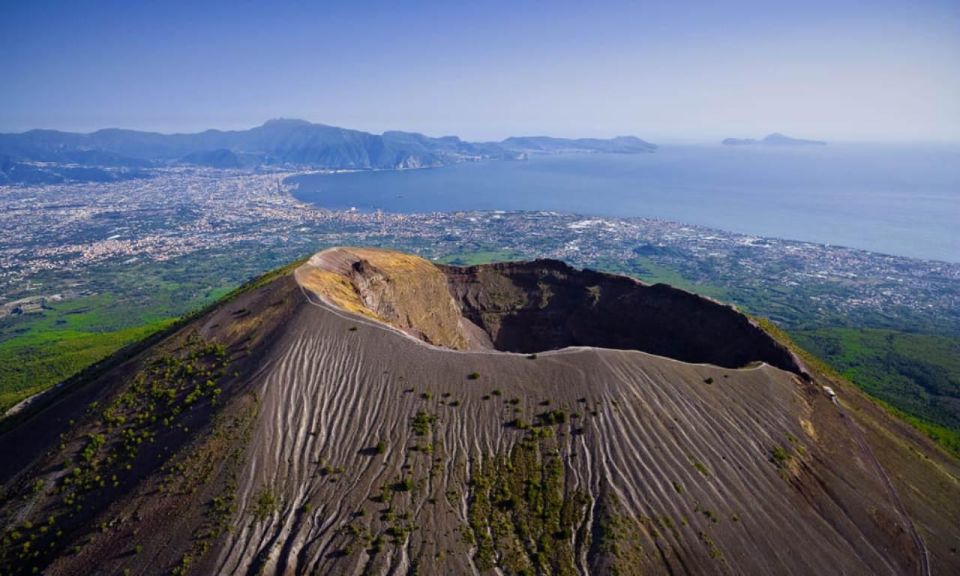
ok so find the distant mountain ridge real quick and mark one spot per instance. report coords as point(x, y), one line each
point(775, 139)
point(280, 142)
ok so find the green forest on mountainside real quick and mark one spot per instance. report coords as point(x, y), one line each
point(916, 374)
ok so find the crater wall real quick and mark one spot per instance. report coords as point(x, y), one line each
point(536, 306)
point(545, 305)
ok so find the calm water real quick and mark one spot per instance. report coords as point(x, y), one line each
point(895, 200)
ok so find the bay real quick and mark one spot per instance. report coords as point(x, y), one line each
point(902, 200)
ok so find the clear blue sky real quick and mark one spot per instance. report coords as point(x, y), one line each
point(839, 69)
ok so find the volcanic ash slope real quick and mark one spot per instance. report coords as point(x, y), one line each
point(381, 414)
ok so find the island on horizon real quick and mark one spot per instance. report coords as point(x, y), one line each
point(774, 139)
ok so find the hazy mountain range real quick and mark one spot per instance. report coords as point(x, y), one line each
point(115, 153)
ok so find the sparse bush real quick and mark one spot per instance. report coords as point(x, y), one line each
point(384, 496)
point(398, 532)
point(518, 423)
point(264, 504)
point(700, 467)
point(423, 423)
point(552, 418)
point(779, 457)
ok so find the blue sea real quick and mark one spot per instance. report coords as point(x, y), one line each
point(902, 200)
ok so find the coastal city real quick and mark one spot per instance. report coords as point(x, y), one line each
point(56, 238)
